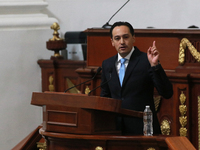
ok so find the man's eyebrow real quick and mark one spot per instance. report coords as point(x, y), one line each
point(120, 35)
point(125, 34)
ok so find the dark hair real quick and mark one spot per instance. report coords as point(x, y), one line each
point(120, 23)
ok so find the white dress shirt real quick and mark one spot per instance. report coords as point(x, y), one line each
point(118, 62)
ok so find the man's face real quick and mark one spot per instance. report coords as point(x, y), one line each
point(122, 40)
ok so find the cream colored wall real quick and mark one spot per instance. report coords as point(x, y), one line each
point(22, 43)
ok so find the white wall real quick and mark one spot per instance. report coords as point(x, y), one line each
point(82, 14)
point(24, 42)
point(19, 77)
point(23, 35)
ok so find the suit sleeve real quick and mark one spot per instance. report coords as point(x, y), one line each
point(105, 91)
point(161, 81)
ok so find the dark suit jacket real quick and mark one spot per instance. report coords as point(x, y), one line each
point(137, 89)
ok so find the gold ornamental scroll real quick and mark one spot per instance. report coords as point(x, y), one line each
point(186, 43)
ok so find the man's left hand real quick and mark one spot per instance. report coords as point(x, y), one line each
point(153, 55)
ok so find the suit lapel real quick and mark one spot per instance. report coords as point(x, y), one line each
point(134, 59)
point(115, 74)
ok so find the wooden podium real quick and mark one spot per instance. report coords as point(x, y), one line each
point(79, 113)
point(82, 122)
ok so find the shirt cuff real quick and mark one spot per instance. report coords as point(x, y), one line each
point(157, 67)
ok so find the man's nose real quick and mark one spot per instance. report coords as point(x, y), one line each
point(122, 40)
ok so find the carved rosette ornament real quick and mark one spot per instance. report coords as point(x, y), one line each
point(186, 43)
point(165, 127)
point(183, 118)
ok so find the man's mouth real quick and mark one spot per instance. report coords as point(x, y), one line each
point(123, 47)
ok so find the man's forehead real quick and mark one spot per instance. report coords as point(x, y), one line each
point(120, 30)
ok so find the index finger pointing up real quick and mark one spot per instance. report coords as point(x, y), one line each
point(154, 43)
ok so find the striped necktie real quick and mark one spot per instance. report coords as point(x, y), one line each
point(122, 70)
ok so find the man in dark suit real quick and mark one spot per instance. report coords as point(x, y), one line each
point(143, 72)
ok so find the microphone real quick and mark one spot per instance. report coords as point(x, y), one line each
point(110, 71)
point(98, 71)
point(107, 25)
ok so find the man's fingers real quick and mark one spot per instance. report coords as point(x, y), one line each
point(154, 43)
point(149, 50)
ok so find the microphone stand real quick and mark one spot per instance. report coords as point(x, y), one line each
point(101, 84)
point(107, 25)
point(98, 71)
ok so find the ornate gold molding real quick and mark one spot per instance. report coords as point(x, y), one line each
point(165, 127)
point(183, 118)
point(186, 43)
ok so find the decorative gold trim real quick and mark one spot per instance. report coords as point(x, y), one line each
point(182, 98)
point(199, 120)
point(182, 109)
point(157, 102)
point(186, 43)
point(42, 146)
point(70, 84)
point(87, 90)
point(99, 148)
point(183, 118)
point(151, 148)
point(183, 131)
point(165, 127)
point(55, 26)
point(51, 86)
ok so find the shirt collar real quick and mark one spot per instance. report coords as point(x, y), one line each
point(128, 56)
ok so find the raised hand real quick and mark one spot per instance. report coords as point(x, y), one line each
point(153, 54)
